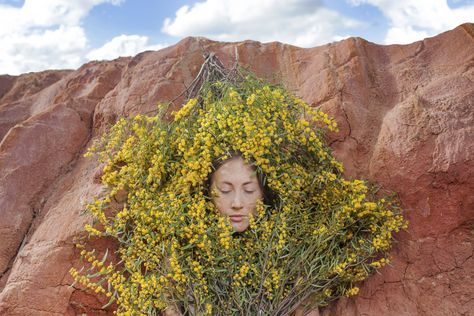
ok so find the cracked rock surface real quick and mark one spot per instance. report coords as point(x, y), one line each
point(406, 118)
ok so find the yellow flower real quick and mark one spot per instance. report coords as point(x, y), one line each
point(352, 291)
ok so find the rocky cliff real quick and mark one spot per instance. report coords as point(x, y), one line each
point(406, 114)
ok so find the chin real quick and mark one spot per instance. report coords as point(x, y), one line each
point(240, 227)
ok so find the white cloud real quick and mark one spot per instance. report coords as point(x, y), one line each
point(300, 22)
point(44, 34)
point(56, 48)
point(412, 20)
point(123, 45)
point(405, 35)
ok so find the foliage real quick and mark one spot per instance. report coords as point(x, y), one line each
point(320, 235)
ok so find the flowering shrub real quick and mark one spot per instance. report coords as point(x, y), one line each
point(320, 236)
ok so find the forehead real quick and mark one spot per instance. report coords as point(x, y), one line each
point(236, 170)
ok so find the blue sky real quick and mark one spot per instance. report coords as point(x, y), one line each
point(57, 34)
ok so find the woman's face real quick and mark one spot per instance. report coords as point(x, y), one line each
point(236, 191)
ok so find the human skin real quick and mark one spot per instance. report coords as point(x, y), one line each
point(235, 192)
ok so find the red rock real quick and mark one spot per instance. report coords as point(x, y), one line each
point(406, 118)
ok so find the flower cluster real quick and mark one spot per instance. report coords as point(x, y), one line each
point(319, 235)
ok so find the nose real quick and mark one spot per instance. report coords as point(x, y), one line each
point(237, 202)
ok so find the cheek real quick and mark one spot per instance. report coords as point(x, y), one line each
point(257, 196)
point(252, 202)
point(221, 204)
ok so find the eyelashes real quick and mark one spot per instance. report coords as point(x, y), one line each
point(228, 191)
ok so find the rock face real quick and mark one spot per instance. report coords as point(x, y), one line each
point(406, 114)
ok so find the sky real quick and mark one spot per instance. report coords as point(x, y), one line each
point(37, 35)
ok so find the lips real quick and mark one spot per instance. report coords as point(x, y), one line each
point(236, 218)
